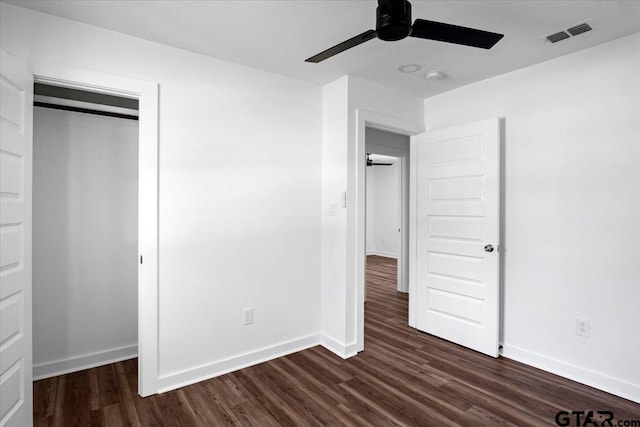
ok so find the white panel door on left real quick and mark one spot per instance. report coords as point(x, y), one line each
point(16, 112)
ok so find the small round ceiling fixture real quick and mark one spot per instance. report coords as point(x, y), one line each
point(409, 68)
point(435, 75)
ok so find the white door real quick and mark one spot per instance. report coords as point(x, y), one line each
point(16, 112)
point(457, 203)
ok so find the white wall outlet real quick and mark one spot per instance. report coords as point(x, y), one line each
point(582, 327)
point(247, 316)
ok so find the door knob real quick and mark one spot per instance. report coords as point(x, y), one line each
point(488, 248)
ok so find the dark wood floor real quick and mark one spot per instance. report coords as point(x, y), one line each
point(403, 377)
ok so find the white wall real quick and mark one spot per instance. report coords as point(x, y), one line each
point(85, 246)
point(572, 209)
point(239, 215)
point(383, 187)
point(335, 119)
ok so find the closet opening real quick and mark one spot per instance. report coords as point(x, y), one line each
point(85, 229)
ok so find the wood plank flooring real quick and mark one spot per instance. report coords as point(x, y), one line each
point(403, 377)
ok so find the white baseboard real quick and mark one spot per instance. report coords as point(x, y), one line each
point(383, 254)
point(87, 361)
point(582, 375)
point(221, 367)
point(339, 349)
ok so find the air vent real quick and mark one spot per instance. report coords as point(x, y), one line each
point(555, 38)
point(579, 29)
point(565, 34)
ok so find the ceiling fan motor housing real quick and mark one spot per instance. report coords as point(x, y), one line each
point(393, 20)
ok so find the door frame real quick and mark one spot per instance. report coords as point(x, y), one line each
point(364, 119)
point(402, 261)
point(147, 94)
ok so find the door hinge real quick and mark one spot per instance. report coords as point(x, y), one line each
point(140, 259)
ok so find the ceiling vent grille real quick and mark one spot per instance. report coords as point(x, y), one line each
point(555, 38)
point(579, 29)
point(565, 34)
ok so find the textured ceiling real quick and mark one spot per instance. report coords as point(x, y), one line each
point(278, 36)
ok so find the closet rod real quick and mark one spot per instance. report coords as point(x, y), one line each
point(84, 110)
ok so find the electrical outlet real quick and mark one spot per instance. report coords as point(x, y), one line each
point(247, 316)
point(582, 327)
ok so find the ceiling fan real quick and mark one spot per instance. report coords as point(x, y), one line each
point(393, 22)
point(371, 163)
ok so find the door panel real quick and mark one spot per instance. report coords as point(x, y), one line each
point(16, 110)
point(457, 214)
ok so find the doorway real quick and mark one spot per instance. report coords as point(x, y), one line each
point(388, 166)
point(450, 165)
point(146, 93)
point(383, 220)
point(383, 206)
point(85, 229)
point(368, 121)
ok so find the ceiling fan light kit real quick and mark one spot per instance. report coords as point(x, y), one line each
point(393, 22)
point(371, 162)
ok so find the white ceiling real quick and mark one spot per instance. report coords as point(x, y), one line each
point(278, 36)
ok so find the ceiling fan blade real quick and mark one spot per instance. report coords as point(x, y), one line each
point(454, 34)
point(341, 47)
